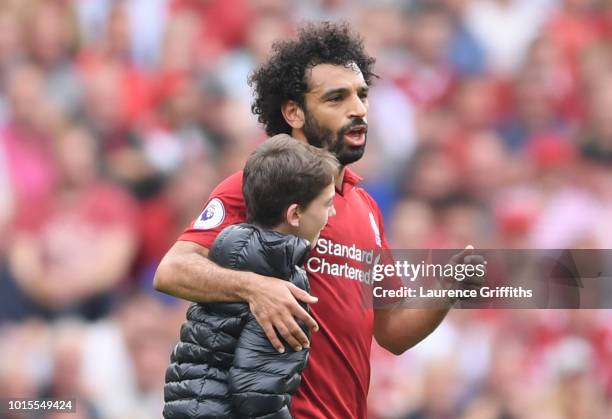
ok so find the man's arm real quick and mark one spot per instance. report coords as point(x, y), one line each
point(186, 272)
point(398, 328)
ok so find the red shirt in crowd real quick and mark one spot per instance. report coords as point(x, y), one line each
point(101, 206)
point(336, 379)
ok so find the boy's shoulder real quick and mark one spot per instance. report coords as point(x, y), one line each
point(263, 251)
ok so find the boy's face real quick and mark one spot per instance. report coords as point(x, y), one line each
point(314, 217)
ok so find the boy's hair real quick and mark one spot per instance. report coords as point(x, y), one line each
point(283, 171)
point(283, 76)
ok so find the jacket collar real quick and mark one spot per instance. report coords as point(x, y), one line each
point(283, 251)
point(268, 252)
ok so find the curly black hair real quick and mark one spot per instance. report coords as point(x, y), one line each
point(282, 76)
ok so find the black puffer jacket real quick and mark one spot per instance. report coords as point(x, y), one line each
point(224, 365)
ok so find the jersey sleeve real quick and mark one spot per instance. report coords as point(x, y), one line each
point(225, 206)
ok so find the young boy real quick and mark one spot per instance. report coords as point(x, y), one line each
point(224, 365)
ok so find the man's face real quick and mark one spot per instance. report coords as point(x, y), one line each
point(314, 217)
point(336, 108)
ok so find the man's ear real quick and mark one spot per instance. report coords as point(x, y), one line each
point(292, 217)
point(293, 114)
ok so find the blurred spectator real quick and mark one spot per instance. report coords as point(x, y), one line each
point(597, 141)
point(175, 136)
point(71, 249)
point(428, 75)
point(463, 220)
point(222, 24)
point(535, 110)
point(515, 212)
point(106, 115)
point(440, 393)
point(557, 76)
point(66, 380)
point(6, 200)
point(234, 67)
point(574, 26)
point(505, 28)
point(24, 363)
point(10, 51)
point(179, 49)
point(432, 176)
point(124, 357)
point(25, 137)
point(147, 20)
point(413, 225)
point(465, 52)
point(52, 43)
point(164, 218)
point(147, 23)
point(474, 105)
point(486, 165)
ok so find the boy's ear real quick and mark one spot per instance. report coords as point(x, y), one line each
point(293, 218)
point(293, 114)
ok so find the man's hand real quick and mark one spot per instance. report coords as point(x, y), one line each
point(186, 272)
point(467, 257)
point(274, 303)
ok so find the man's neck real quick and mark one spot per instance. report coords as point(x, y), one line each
point(340, 178)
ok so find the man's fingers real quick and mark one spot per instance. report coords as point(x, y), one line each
point(301, 314)
point(302, 295)
point(458, 258)
point(289, 338)
point(297, 332)
point(278, 313)
point(474, 260)
point(273, 338)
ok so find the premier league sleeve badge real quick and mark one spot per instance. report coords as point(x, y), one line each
point(212, 216)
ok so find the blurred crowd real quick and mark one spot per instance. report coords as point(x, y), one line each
point(489, 126)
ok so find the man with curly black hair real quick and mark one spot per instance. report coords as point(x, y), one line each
point(290, 79)
point(314, 88)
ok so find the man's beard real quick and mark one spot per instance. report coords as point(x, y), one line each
point(325, 138)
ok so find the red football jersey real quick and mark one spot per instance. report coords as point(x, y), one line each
point(336, 379)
